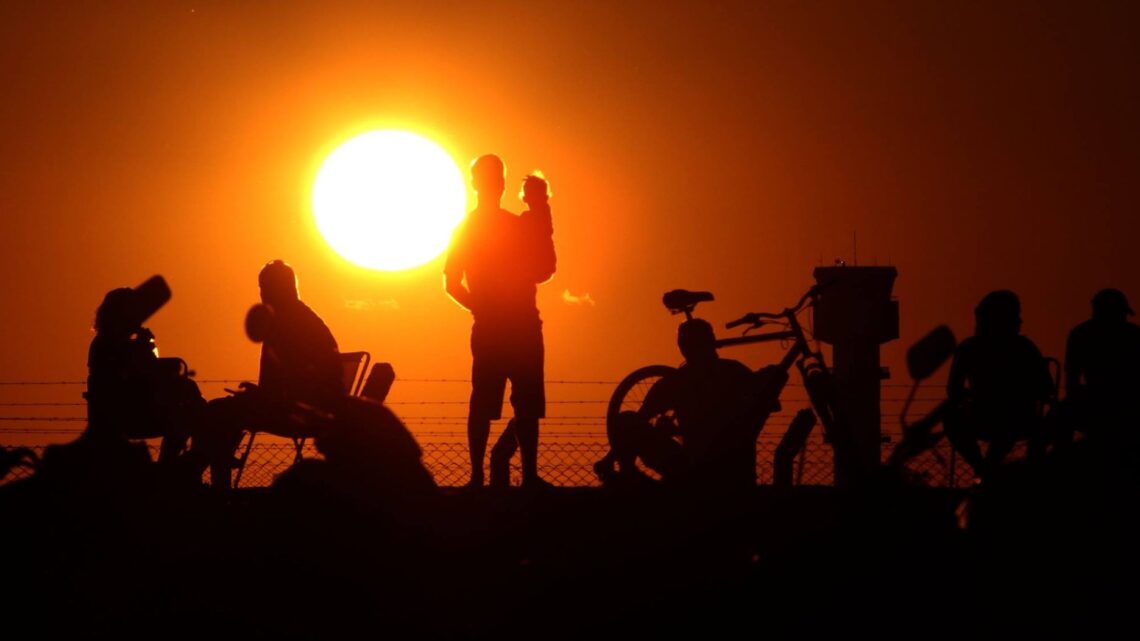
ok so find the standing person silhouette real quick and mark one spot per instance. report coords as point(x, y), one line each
point(494, 265)
point(1102, 368)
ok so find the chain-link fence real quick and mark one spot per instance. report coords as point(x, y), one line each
point(572, 435)
point(570, 463)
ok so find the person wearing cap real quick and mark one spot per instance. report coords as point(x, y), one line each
point(1102, 364)
point(495, 262)
point(999, 383)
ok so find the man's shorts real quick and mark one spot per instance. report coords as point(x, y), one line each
point(498, 356)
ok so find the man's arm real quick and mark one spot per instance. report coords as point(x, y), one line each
point(956, 381)
point(1043, 386)
point(453, 285)
point(453, 271)
point(539, 239)
point(660, 398)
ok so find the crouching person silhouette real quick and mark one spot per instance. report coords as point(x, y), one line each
point(300, 370)
point(716, 406)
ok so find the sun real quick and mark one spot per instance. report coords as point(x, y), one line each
point(388, 200)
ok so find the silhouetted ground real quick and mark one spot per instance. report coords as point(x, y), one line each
point(565, 563)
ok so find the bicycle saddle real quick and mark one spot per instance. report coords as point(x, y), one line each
point(681, 300)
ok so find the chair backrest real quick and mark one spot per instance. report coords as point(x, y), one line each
point(379, 382)
point(354, 365)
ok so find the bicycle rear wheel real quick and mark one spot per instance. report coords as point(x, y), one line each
point(631, 391)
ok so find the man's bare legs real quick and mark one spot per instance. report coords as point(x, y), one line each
point(478, 430)
point(526, 431)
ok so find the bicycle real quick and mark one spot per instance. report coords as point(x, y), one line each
point(631, 392)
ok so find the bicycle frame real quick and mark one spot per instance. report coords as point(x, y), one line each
point(813, 371)
point(810, 364)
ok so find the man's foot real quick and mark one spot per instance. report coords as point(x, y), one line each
point(536, 483)
point(500, 472)
point(500, 479)
point(476, 480)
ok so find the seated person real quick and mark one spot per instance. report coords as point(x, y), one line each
point(719, 406)
point(998, 385)
point(1102, 370)
point(300, 366)
point(131, 392)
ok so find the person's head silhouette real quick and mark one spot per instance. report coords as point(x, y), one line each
point(697, 341)
point(117, 313)
point(278, 283)
point(535, 190)
point(1111, 305)
point(998, 314)
point(488, 177)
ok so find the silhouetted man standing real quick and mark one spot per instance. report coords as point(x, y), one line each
point(495, 263)
point(1102, 365)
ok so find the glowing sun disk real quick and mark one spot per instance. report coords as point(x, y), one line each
point(388, 200)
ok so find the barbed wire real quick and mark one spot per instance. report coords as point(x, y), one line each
point(32, 430)
point(48, 419)
point(43, 382)
point(43, 404)
point(428, 380)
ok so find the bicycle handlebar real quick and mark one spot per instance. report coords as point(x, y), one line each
point(756, 319)
point(747, 319)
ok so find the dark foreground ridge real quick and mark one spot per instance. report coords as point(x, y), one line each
point(304, 560)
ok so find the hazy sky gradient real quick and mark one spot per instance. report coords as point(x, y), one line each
point(731, 147)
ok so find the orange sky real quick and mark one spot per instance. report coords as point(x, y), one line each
point(730, 148)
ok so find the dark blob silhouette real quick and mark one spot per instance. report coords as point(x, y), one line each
point(369, 456)
point(300, 365)
point(1102, 370)
point(131, 392)
point(494, 265)
point(998, 386)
